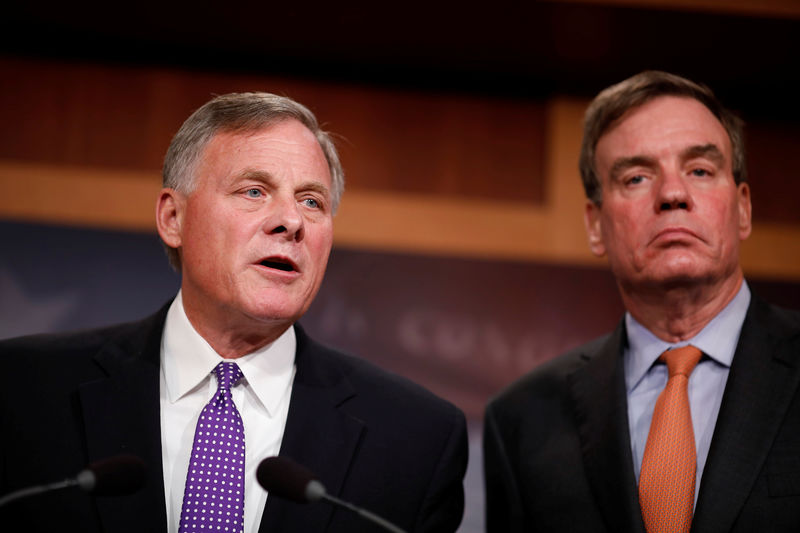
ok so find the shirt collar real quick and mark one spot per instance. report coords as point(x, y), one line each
point(717, 340)
point(187, 360)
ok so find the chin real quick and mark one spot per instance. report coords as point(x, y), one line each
point(272, 313)
point(271, 310)
point(678, 264)
point(680, 277)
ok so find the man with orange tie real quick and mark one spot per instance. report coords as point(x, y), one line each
point(687, 416)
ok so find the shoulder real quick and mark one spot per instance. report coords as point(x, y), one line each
point(67, 348)
point(60, 342)
point(547, 382)
point(777, 321)
point(377, 393)
point(409, 439)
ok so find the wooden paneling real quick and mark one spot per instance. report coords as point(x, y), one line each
point(81, 115)
point(452, 145)
point(773, 157)
point(777, 8)
point(428, 173)
point(442, 144)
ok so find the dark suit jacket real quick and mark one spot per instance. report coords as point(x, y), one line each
point(372, 438)
point(557, 446)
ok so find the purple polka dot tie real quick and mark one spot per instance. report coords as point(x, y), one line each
point(213, 499)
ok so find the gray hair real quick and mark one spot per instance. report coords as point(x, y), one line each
point(239, 113)
point(612, 103)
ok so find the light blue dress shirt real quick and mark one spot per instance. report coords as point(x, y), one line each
point(645, 378)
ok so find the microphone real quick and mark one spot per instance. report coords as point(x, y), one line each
point(284, 478)
point(115, 476)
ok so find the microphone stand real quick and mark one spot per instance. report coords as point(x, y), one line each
point(372, 517)
point(39, 489)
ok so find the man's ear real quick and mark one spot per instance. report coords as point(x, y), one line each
point(591, 219)
point(745, 211)
point(169, 216)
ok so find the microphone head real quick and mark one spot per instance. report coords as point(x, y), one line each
point(284, 478)
point(116, 476)
point(314, 491)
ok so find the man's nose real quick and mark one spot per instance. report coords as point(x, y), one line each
point(672, 192)
point(285, 218)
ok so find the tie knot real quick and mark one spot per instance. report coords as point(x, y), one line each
point(228, 375)
point(681, 360)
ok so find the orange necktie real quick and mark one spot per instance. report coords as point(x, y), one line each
point(669, 466)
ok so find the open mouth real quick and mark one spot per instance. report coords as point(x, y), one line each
point(279, 264)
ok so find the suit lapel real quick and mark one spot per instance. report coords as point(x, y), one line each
point(318, 435)
point(763, 380)
point(122, 415)
point(598, 393)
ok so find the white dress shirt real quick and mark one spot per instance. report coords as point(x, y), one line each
point(187, 384)
point(645, 378)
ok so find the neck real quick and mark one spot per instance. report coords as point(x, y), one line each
point(676, 312)
point(232, 345)
point(232, 336)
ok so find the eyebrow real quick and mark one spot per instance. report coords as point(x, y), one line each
point(254, 174)
point(267, 178)
point(624, 163)
point(316, 187)
point(709, 151)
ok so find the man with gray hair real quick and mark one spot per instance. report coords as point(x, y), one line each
point(687, 416)
point(222, 376)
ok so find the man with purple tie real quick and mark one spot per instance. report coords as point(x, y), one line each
point(223, 376)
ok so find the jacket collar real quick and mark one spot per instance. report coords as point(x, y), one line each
point(121, 414)
point(603, 431)
point(761, 386)
point(319, 434)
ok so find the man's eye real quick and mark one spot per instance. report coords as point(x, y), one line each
point(310, 202)
point(700, 172)
point(253, 193)
point(635, 180)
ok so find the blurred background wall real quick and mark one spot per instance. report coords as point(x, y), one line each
point(460, 258)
